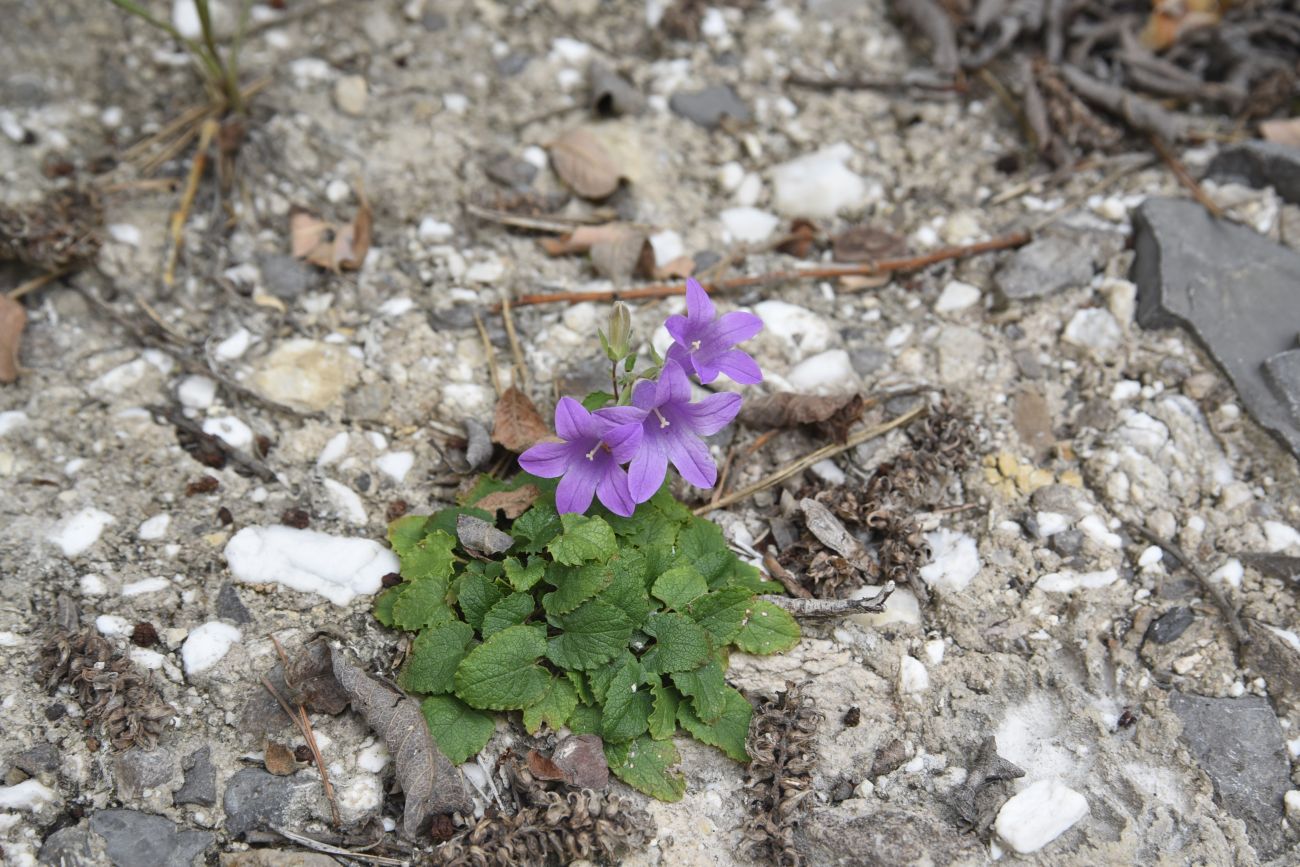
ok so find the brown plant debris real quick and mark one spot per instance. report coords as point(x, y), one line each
point(974, 808)
point(432, 784)
point(517, 424)
point(113, 693)
point(61, 231)
point(833, 415)
point(549, 827)
point(584, 164)
point(779, 777)
point(512, 503)
point(13, 319)
point(578, 760)
point(335, 246)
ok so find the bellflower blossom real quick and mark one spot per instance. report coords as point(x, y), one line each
point(705, 343)
point(590, 459)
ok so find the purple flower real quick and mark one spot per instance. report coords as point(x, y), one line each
point(671, 429)
point(589, 459)
point(705, 345)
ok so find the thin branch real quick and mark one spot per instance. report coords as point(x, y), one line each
point(785, 576)
point(819, 609)
point(327, 849)
point(1184, 177)
point(490, 353)
point(37, 283)
point(515, 350)
point(304, 726)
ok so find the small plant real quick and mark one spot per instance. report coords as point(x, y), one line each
point(617, 622)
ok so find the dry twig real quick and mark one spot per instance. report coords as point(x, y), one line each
point(817, 609)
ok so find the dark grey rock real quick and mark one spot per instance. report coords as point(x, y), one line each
point(867, 360)
point(134, 839)
point(513, 64)
point(452, 318)
point(70, 847)
point(709, 106)
point(1276, 660)
point(40, 759)
point(1047, 265)
point(200, 786)
point(1234, 290)
point(1282, 373)
point(255, 800)
point(1061, 499)
point(585, 376)
point(230, 607)
point(136, 770)
point(368, 401)
point(511, 171)
point(1260, 164)
point(1067, 543)
point(1238, 743)
point(285, 277)
point(1170, 625)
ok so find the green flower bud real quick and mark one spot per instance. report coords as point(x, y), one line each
point(618, 342)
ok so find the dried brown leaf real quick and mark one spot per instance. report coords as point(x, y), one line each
point(517, 424)
point(279, 759)
point(513, 503)
point(620, 257)
point(866, 244)
point(787, 409)
point(432, 784)
point(676, 269)
point(13, 319)
point(330, 245)
point(584, 164)
point(1285, 132)
point(800, 240)
point(543, 768)
point(583, 238)
point(581, 761)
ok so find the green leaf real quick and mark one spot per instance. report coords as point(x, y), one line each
point(746, 575)
point(679, 587)
point(663, 719)
point(644, 764)
point(627, 591)
point(672, 508)
point(384, 604)
point(768, 629)
point(627, 705)
point(502, 673)
point(459, 730)
point(521, 577)
point(599, 678)
point(716, 567)
point(583, 539)
point(511, 611)
point(430, 557)
point(553, 708)
point(680, 643)
point(574, 585)
point(590, 636)
point(701, 538)
point(476, 594)
point(706, 688)
point(597, 400)
point(406, 532)
point(422, 603)
point(580, 686)
point(728, 732)
point(585, 720)
point(534, 529)
point(434, 656)
point(722, 612)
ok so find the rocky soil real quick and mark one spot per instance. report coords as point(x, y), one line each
point(1102, 666)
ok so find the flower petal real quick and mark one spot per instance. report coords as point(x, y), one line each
point(547, 460)
point(738, 365)
point(572, 420)
point(674, 387)
point(732, 328)
point(624, 440)
point(698, 306)
point(613, 416)
point(612, 489)
point(711, 414)
point(645, 475)
point(691, 457)
point(576, 489)
point(680, 355)
point(645, 395)
point(679, 327)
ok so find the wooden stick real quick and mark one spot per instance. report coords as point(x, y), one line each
point(491, 355)
point(811, 458)
point(814, 609)
point(782, 574)
point(182, 213)
point(884, 266)
point(36, 283)
point(1184, 177)
point(326, 848)
point(304, 726)
point(515, 350)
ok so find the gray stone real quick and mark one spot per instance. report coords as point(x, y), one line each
point(709, 106)
point(134, 839)
point(368, 401)
point(611, 94)
point(230, 607)
point(1170, 625)
point(1234, 290)
point(1260, 164)
point(1238, 743)
point(40, 759)
point(1282, 373)
point(885, 835)
point(1062, 499)
point(1067, 543)
point(136, 770)
point(478, 448)
point(1047, 265)
point(70, 847)
point(285, 277)
point(255, 800)
point(511, 171)
point(200, 786)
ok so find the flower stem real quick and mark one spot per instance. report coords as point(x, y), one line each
point(613, 379)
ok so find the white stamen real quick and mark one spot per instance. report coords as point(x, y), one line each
point(663, 422)
point(695, 346)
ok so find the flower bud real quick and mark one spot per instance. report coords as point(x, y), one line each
point(618, 343)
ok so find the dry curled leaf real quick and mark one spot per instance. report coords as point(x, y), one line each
point(800, 240)
point(676, 269)
point(475, 534)
point(583, 238)
point(584, 164)
point(13, 319)
point(517, 424)
point(331, 245)
point(432, 784)
point(580, 759)
point(620, 257)
point(513, 503)
point(866, 244)
point(279, 759)
point(788, 409)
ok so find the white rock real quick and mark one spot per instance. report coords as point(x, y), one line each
point(826, 372)
point(360, 797)
point(336, 448)
point(350, 94)
point(396, 306)
point(1279, 536)
point(455, 103)
point(373, 758)
point(955, 560)
point(487, 271)
point(30, 796)
point(730, 176)
point(934, 650)
point(229, 430)
point(337, 191)
point(956, 296)
point(77, 533)
point(747, 225)
point(537, 156)
point(1096, 330)
point(12, 420)
point(1150, 556)
point(206, 645)
point(713, 25)
point(1125, 389)
point(336, 567)
point(1095, 529)
point(828, 472)
point(396, 465)
point(92, 585)
point(1291, 801)
point(570, 50)
point(196, 392)
point(912, 676)
point(1039, 814)
point(900, 607)
point(121, 379)
point(125, 233)
point(112, 626)
point(1067, 581)
point(1051, 523)
point(233, 346)
point(817, 185)
point(145, 585)
point(804, 331)
point(150, 659)
point(347, 503)
point(433, 231)
point(155, 527)
point(749, 191)
point(667, 246)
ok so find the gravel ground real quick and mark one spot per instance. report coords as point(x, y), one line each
point(1040, 628)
